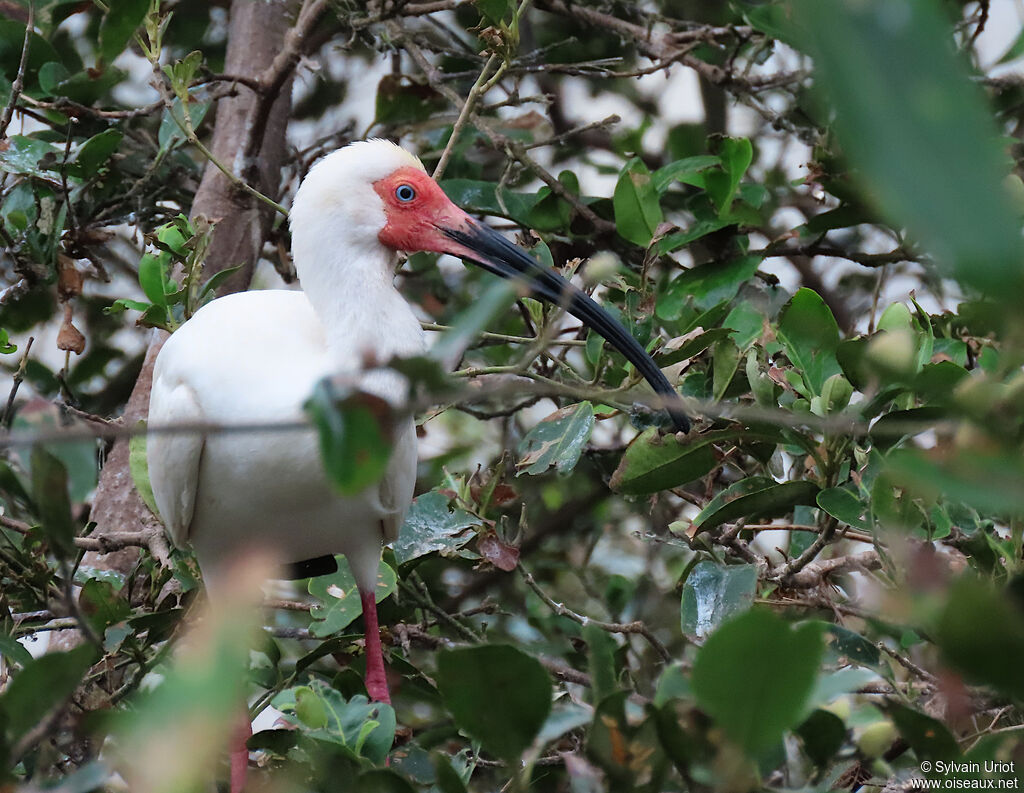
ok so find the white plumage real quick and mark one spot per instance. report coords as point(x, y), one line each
point(255, 357)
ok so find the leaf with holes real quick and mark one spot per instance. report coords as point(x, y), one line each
point(431, 526)
point(557, 440)
point(713, 593)
point(339, 597)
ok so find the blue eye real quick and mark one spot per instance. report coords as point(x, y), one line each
point(405, 193)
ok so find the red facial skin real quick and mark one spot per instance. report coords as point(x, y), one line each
point(415, 225)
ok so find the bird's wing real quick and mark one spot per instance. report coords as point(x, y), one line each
point(396, 488)
point(174, 458)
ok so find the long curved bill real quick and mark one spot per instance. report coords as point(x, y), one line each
point(488, 249)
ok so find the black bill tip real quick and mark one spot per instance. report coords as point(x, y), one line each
point(490, 250)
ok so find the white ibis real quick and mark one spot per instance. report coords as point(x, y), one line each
point(256, 356)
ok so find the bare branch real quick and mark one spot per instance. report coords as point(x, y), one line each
point(636, 627)
point(19, 80)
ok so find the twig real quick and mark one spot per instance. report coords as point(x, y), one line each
point(19, 376)
point(408, 632)
point(817, 574)
point(906, 663)
point(508, 385)
point(185, 125)
point(513, 148)
point(19, 80)
point(464, 113)
point(900, 254)
point(277, 73)
point(287, 605)
point(64, 104)
point(558, 140)
point(636, 627)
point(152, 539)
point(418, 591)
point(501, 338)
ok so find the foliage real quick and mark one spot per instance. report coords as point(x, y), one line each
point(820, 587)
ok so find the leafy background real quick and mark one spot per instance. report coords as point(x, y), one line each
point(818, 588)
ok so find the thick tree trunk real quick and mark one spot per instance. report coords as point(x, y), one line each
point(256, 35)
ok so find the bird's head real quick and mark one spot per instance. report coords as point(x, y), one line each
point(384, 197)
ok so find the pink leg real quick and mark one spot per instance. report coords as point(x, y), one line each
point(239, 753)
point(376, 679)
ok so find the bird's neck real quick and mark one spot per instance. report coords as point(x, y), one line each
point(351, 288)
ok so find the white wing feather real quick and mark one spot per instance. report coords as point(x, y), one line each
point(174, 458)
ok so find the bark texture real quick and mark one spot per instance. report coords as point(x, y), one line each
point(257, 33)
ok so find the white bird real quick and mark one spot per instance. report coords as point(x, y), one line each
point(256, 356)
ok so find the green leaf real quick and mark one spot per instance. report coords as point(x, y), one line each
point(600, 661)
point(713, 593)
point(309, 708)
point(430, 526)
point(50, 492)
point(1014, 51)
point(706, 286)
point(40, 51)
point(680, 239)
point(497, 299)
point(138, 464)
point(810, 335)
point(968, 639)
point(213, 283)
point(904, 102)
point(725, 360)
point(6, 348)
point(171, 133)
point(366, 728)
point(823, 734)
point(152, 276)
point(635, 200)
point(674, 683)
point(498, 694)
point(119, 23)
point(691, 347)
point(494, 11)
point(22, 155)
point(355, 436)
point(448, 779)
point(94, 153)
point(485, 197)
point(736, 155)
point(339, 597)
point(683, 170)
point(43, 684)
point(383, 780)
point(843, 505)
point(124, 304)
point(404, 100)
point(754, 676)
point(851, 646)
point(51, 75)
point(929, 738)
point(557, 440)
point(987, 481)
point(655, 462)
point(755, 496)
point(14, 651)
